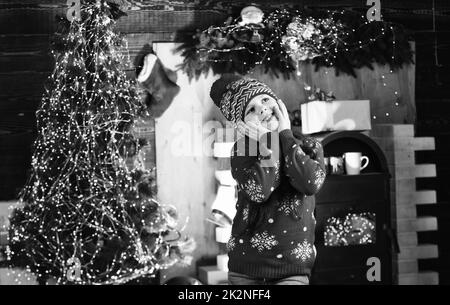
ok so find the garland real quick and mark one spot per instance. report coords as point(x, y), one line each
point(341, 39)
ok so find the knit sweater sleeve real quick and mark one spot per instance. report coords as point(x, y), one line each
point(305, 174)
point(257, 176)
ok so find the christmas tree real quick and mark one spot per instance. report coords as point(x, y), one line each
point(85, 216)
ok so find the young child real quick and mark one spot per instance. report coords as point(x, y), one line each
point(272, 238)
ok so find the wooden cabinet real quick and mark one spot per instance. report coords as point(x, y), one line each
point(343, 196)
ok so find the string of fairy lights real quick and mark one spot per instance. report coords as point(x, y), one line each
point(81, 217)
point(353, 229)
point(335, 36)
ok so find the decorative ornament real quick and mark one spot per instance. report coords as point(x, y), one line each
point(296, 118)
point(318, 94)
point(251, 15)
point(354, 229)
point(308, 38)
point(284, 38)
point(160, 82)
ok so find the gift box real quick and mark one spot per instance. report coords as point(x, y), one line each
point(319, 116)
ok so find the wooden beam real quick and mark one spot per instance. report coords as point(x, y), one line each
point(43, 21)
point(40, 19)
point(22, 83)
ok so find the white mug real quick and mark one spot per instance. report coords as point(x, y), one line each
point(355, 162)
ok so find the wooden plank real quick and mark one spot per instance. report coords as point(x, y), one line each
point(395, 143)
point(420, 278)
point(401, 4)
point(419, 252)
point(29, 21)
point(25, 53)
point(419, 224)
point(402, 199)
point(33, 3)
point(425, 170)
point(367, 85)
point(42, 20)
point(400, 158)
point(23, 63)
point(425, 197)
point(427, 223)
point(424, 143)
point(408, 266)
point(392, 130)
point(22, 43)
point(19, 104)
point(32, 52)
point(413, 198)
point(405, 211)
point(403, 186)
point(402, 172)
point(17, 121)
point(407, 239)
point(168, 21)
point(406, 225)
point(22, 84)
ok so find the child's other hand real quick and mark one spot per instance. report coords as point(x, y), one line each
point(283, 116)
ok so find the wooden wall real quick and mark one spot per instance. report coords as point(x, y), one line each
point(26, 28)
point(25, 32)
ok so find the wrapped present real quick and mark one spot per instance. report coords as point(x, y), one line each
point(319, 116)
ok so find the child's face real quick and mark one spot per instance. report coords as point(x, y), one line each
point(260, 110)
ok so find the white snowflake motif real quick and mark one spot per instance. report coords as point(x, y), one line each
point(289, 204)
point(249, 172)
point(245, 214)
point(277, 171)
point(319, 178)
point(303, 251)
point(317, 144)
point(263, 241)
point(299, 152)
point(253, 190)
point(231, 243)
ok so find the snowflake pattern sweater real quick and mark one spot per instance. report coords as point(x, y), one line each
point(282, 242)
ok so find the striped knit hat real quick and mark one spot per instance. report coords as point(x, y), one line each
point(232, 93)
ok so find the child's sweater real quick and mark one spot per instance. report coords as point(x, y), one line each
point(282, 243)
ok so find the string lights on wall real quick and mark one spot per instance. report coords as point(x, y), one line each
point(340, 39)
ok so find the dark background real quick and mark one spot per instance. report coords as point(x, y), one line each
point(25, 32)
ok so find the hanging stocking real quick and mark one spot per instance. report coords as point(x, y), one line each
point(160, 82)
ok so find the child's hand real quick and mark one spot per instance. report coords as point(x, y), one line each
point(283, 116)
point(252, 130)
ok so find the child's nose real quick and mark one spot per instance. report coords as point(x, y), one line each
point(264, 109)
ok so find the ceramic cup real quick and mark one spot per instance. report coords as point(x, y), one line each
point(336, 165)
point(355, 162)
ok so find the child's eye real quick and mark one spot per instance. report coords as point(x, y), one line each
point(251, 110)
point(265, 100)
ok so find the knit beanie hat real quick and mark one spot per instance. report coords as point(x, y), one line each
point(232, 93)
